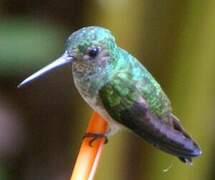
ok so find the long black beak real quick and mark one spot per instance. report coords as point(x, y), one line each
point(64, 59)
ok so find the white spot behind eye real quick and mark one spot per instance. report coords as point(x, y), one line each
point(104, 53)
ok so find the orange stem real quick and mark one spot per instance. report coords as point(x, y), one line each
point(88, 156)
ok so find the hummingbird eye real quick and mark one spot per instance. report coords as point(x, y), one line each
point(93, 52)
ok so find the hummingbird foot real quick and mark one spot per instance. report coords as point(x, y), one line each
point(95, 136)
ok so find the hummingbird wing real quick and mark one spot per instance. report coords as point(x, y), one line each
point(127, 106)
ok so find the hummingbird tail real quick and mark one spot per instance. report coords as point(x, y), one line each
point(188, 146)
point(167, 135)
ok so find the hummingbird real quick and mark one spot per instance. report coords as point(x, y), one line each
point(118, 87)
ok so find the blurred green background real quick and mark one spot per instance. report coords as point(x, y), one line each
point(41, 125)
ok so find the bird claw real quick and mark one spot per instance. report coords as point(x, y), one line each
point(95, 136)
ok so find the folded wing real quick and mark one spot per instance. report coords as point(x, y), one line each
point(131, 110)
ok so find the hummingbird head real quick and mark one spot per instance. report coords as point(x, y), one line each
point(90, 50)
point(93, 49)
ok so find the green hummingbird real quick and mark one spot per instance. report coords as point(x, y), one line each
point(117, 86)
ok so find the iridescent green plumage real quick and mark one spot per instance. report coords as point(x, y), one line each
point(131, 79)
point(122, 68)
point(118, 86)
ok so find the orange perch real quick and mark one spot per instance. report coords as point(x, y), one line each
point(88, 156)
